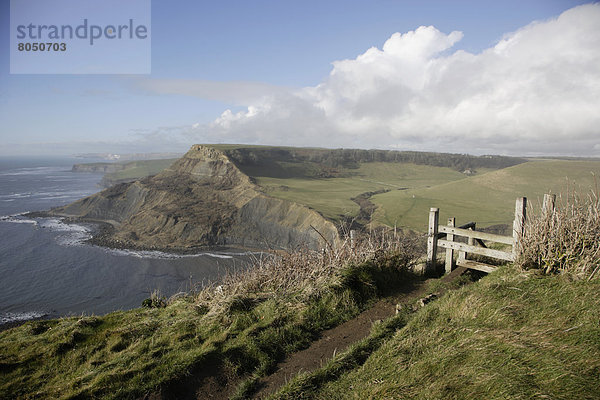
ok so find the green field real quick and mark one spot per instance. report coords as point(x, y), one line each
point(332, 196)
point(140, 169)
point(487, 199)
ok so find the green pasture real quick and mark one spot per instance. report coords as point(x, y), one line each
point(140, 169)
point(332, 196)
point(489, 198)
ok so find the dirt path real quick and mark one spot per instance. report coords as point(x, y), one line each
point(336, 340)
point(209, 383)
point(367, 208)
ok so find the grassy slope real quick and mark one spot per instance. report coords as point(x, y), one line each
point(129, 353)
point(487, 199)
point(511, 335)
point(140, 169)
point(332, 196)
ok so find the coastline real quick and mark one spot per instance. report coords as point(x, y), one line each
point(100, 237)
point(102, 231)
point(13, 324)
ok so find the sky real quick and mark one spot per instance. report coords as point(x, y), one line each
point(479, 77)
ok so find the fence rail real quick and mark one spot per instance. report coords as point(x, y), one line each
point(445, 236)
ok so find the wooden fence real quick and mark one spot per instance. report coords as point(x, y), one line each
point(445, 236)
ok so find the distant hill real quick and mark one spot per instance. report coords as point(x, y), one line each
point(255, 157)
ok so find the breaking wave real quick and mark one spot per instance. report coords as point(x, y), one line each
point(8, 317)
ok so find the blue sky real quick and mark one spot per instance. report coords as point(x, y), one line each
point(223, 48)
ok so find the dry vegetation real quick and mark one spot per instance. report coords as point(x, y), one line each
point(566, 240)
point(306, 274)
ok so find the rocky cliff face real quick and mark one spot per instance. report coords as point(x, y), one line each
point(203, 199)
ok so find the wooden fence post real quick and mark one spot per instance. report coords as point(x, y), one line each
point(549, 204)
point(450, 252)
point(471, 241)
point(352, 239)
point(519, 222)
point(432, 233)
point(462, 255)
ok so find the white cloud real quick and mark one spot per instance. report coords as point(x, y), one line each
point(536, 91)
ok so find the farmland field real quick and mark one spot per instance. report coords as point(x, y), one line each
point(332, 196)
point(487, 199)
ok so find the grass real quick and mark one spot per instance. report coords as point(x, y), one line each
point(487, 199)
point(139, 169)
point(243, 326)
point(512, 335)
point(332, 196)
point(517, 333)
point(307, 385)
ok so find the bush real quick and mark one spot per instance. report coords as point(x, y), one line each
point(155, 301)
point(566, 240)
point(305, 274)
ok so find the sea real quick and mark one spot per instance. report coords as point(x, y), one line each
point(46, 268)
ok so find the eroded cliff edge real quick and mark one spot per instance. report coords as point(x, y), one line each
point(203, 199)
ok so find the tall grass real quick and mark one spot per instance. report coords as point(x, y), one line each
point(566, 239)
point(305, 274)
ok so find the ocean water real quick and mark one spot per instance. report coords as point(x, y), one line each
point(46, 269)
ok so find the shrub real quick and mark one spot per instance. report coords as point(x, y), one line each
point(306, 274)
point(566, 240)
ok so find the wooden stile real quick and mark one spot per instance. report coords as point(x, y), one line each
point(476, 265)
point(502, 255)
point(476, 234)
point(444, 236)
point(462, 255)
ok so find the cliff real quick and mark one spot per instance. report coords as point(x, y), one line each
point(203, 199)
